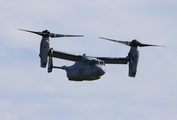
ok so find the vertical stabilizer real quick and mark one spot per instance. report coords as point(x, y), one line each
point(50, 64)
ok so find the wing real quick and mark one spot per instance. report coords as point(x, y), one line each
point(72, 57)
point(65, 56)
point(110, 60)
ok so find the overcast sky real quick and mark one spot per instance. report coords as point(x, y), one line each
point(28, 92)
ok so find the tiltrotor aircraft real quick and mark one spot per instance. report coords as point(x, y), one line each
point(86, 67)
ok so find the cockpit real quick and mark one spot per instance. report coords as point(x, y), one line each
point(96, 62)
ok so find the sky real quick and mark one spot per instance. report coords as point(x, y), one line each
point(28, 92)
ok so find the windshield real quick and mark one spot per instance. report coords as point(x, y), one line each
point(102, 63)
point(94, 62)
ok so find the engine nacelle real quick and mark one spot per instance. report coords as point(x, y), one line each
point(44, 49)
point(133, 63)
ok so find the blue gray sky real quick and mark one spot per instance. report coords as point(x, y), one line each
point(28, 92)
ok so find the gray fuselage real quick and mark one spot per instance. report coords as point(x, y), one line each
point(86, 70)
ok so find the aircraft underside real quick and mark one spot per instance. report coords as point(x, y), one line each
point(77, 75)
point(82, 79)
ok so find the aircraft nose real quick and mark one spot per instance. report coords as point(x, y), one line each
point(101, 71)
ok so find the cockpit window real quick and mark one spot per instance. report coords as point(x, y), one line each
point(91, 63)
point(102, 63)
point(94, 62)
point(97, 62)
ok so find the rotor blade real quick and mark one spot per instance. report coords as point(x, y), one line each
point(53, 35)
point(146, 45)
point(38, 33)
point(122, 42)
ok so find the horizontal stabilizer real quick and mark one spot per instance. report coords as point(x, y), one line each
point(57, 67)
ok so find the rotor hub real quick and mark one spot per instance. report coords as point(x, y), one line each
point(46, 33)
point(134, 43)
